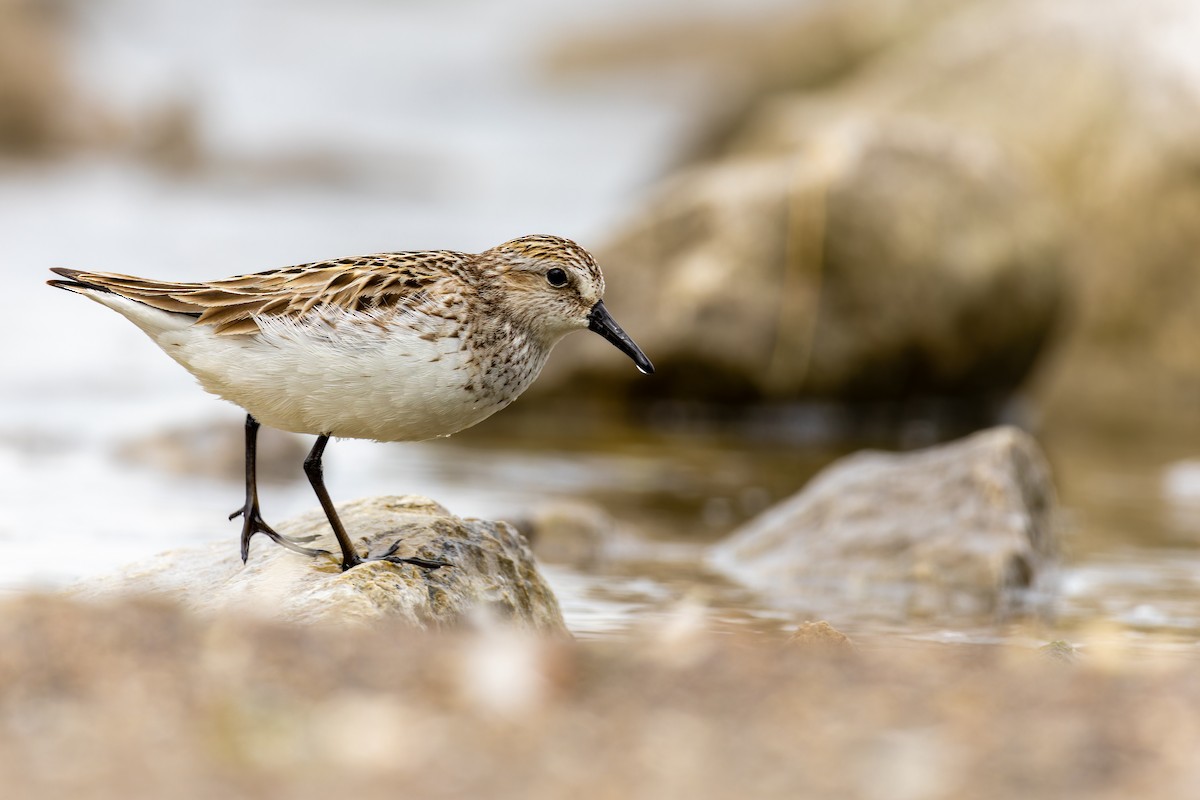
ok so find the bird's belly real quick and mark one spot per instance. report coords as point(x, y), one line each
point(386, 389)
point(406, 406)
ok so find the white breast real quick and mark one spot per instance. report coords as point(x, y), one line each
point(408, 377)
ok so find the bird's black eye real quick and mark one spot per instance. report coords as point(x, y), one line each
point(557, 277)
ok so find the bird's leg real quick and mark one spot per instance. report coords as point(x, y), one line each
point(252, 521)
point(312, 468)
point(350, 556)
point(427, 563)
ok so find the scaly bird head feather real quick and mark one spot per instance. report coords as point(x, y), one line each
point(547, 283)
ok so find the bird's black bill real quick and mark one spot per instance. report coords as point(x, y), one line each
point(600, 321)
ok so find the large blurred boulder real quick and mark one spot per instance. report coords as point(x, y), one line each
point(493, 572)
point(963, 528)
point(879, 261)
point(1102, 103)
point(1098, 102)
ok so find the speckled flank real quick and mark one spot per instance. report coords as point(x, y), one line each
point(392, 346)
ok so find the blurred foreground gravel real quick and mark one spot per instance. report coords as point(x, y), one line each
point(140, 699)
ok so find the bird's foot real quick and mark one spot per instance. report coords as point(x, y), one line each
point(391, 557)
point(252, 523)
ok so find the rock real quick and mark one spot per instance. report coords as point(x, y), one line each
point(1061, 651)
point(493, 572)
point(574, 533)
point(1100, 105)
point(880, 262)
point(963, 528)
point(35, 90)
point(820, 635)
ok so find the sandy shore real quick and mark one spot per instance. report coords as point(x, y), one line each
point(140, 699)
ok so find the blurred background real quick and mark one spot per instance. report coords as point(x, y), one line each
point(830, 223)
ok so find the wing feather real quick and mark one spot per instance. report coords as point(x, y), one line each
point(233, 305)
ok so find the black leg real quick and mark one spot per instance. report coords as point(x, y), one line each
point(252, 521)
point(350, 556)
point(312, 468)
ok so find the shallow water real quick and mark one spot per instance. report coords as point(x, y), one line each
point(1131, 566)
point(1129, 523)
point(431, 148)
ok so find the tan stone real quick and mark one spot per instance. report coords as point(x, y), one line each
point(493, 574)
point(954, 531)
point(820, 634)
point(882, 260)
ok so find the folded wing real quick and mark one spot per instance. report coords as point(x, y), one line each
point(234, 305)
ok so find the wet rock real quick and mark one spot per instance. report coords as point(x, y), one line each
point(493, 572)
point(881, 261)
point(963, 528)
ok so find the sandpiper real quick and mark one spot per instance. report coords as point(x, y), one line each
point(393, 347)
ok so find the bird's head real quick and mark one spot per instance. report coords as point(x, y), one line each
point(553, 286)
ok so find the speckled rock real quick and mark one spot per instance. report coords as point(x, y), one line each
point(820, 635)
point(963, 528)
point(493, 574)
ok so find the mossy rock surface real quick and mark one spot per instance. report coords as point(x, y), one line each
point(493, 574)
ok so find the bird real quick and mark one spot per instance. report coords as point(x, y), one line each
point(392, 347)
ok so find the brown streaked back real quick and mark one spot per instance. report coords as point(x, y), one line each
point(232, 305)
